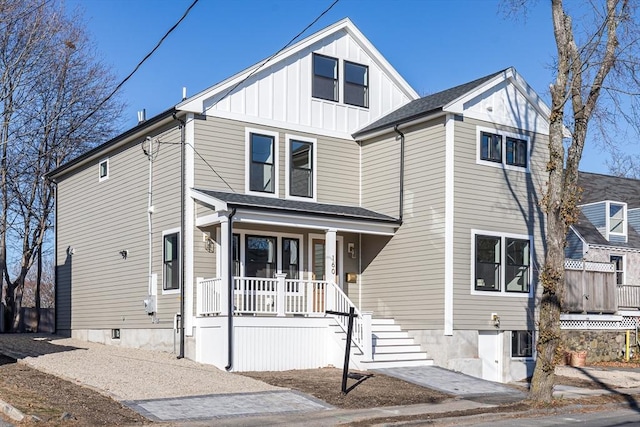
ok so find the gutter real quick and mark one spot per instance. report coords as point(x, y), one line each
point(230, 295)
point(401, 202)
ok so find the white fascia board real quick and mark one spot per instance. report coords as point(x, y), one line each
point(194, 103)
point(288, 219)
point(217, 204)
point(211, 219)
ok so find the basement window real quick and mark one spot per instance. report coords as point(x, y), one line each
point(522, 344)
point(115, 334)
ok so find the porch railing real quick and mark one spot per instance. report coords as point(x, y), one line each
point(282, 297)
point(628, 296)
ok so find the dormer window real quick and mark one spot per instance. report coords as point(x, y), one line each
point(617, 220)
point(325, 77)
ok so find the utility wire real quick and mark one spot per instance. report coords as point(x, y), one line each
point(275, 54)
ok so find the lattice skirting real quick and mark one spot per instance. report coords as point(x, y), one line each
point(627, 322)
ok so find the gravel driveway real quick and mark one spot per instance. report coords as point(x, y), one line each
point(124, 373)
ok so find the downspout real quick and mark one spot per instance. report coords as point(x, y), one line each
point(401, 205)
point(182, 231)
point(230, 295)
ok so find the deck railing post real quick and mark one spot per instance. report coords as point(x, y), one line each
point(281, 294)
point(367, 337)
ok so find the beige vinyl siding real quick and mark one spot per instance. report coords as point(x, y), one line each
point(403, 275)
point(100, 219)
point(222, 143)
point(497, 200)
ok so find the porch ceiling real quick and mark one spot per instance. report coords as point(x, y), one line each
point(293, 213)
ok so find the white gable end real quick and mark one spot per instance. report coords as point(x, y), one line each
point(280, 94)
point(505, 101)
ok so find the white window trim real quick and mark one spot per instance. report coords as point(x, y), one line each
point(533, 346)
point(279, 236)
point(106, 177)
point(608, 219)
point(247, 162)
point(503, 149)
point(165, 233)
point(624, 265)
point(503, 259)
point(287, 165)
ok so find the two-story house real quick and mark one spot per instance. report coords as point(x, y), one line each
point(227, 226)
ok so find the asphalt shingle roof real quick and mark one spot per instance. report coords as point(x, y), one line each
point(424, 106)
point(313, 208)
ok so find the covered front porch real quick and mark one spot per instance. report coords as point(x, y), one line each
point(280, 266)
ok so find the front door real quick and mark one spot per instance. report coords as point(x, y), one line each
point(490, 351)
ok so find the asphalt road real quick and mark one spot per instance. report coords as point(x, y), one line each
point(617, 418)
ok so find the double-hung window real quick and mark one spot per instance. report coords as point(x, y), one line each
point(300, 161)
point(325, 77)
point(356, 84)
point(171, 261)
point(502, 263)
point(262, 172)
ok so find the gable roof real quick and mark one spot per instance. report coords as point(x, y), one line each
point(194, 103)
point(425, 105)
point(238, 200)
point(598, 188)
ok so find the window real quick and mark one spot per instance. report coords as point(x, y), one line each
point(502, 263)
point(617, 214)
point(103, 170)
point(516, 152)
point(291, 257)
point(262, 170)
point(356, 84)
point(521, 344)
point(502, 149)
point(487, 263)
point(260, 256)
point(171, 261)
point(236, 255)
point(325, 77)
point(618, 263)
point(517, 268)
point(301, 168)
point(490, 147)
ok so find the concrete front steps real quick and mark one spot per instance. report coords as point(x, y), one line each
point(392, 347)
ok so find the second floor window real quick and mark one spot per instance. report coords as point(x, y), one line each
point(325, 77)
point(301, 170)
point(490, 147)
point(356, 84)
point(262, 173)
point(517, 152)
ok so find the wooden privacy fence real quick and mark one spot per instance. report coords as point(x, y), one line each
point(590, 287)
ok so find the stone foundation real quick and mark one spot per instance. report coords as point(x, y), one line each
point(600, 345)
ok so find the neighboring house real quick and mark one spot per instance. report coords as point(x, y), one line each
point(318, 182)
point(602, 268)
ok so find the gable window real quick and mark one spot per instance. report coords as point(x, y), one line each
point(171, 261)
point(501, 263)
point(325, 77)
point(356, 84)
point(103, 170)
point(490, 147)
point(516, 152)
point(617, 218)
point(618, 264)
point(300, 164)
point(502, 149)
point(262, 169)
point(521, 343)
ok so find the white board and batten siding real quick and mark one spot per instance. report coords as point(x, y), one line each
point(405, 279)
point(99, 219)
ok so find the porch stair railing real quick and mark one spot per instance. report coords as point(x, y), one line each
point(281, 297)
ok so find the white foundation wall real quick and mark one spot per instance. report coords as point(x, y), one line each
point(459, 352)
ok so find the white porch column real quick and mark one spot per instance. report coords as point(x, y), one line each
point(367, 337)
point(330, 266)
point(281, 300)
point(223, 268)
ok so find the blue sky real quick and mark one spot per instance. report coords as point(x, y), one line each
point(434, 44)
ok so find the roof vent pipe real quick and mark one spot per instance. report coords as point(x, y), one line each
point(142, 116)
point(184, 93)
